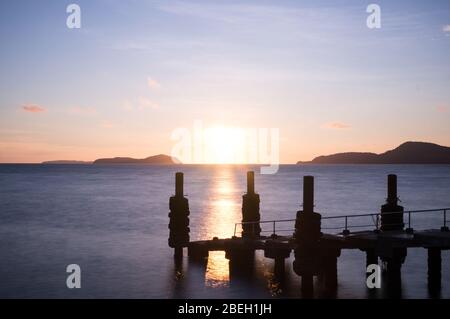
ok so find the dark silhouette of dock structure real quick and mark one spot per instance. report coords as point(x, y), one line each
point(387, 238)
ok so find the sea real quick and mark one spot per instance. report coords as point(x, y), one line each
point(112, 221)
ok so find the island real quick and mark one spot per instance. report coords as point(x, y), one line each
point(160, 159)
point(157, 159)
point(66, 162)
point(406, 153)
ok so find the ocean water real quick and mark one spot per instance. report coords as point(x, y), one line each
point(112, 221)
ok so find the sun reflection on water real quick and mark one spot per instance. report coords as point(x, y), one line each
point(223, 212)
point(217, 270)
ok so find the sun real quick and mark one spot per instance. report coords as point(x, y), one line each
point(224, 145)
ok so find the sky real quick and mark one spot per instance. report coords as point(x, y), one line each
point(136, 71)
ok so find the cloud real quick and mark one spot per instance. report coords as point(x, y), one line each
point(336, 126)
point(446, 28)
point(153, 84)
point(33, 108)
point(442, 109)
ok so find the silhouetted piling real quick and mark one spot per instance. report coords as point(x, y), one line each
point(393, 268)
point(331, 273)
point(371, 257)
point(434, 269)
point(198, 252)
point(307, 234)
point(179, 218)
point(391, 212)
point(278, 251)
point(250, 209)
point(241, 258)
point(392, 220)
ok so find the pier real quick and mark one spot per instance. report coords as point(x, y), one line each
point(317, 241)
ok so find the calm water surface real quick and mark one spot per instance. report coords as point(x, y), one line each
point(112, 221)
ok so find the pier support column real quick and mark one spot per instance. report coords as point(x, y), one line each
point(198, 252)
point(250, 209)
point(331, 273)
point(393, 270)
point(307, 286)
point(279, 268)
point(308, 256)
point(278, 251)
point(179, 218)
point(391, 212)
point(434, 268)
point(394, 267)
point(371, 257)
point(178, 252)
point(241, 257)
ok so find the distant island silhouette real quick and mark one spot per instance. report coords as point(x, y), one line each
point(406, 153)
point(68, 162)
point(156, 159)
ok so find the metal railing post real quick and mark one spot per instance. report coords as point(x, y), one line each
point(445, 218)
point(409, 219)
point(445, 228)
point(274, 232)
point(409, 230)
point(346, 231)
point(235, 226)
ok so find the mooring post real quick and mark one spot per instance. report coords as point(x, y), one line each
point(371, 257)
point(307, 263)
point(434, 268)
point(392, 220)
point(394, 265)
point(250, 209)
point(241, 258)
point(278, 251)
point(179, 185)
point(308, 194)
point(179, 218)
point(307, 286)
point(331, 273)
point(391, 212)
point(279, 268)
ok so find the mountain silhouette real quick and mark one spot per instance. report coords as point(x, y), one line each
point(67, 162)
point(406, 153)
point(157, 159)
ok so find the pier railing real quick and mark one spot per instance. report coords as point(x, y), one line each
point(343, 224)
